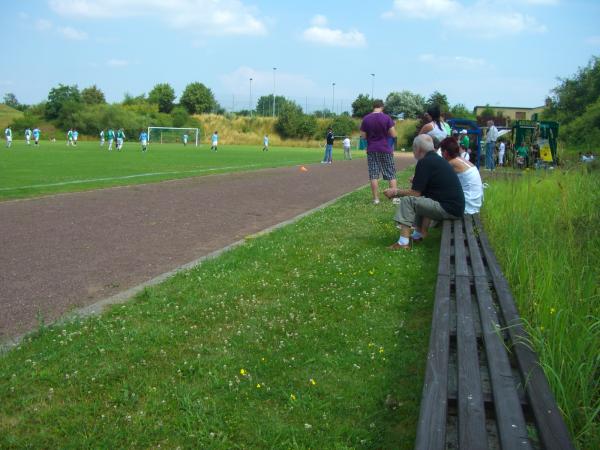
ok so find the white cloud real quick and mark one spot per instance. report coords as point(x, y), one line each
point(445, 61)
point(421, 9)
point(209, 17)
point(43, 25)
point(320, 34)
point(72, 33)
point(319, 21)
point(117, 63)
point(238, 81)
point(483, 18)
point(593, 40)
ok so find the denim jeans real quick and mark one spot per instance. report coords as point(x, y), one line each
point(328, 150)
point(489, 155)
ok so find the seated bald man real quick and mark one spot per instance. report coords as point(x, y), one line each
point(436, 194)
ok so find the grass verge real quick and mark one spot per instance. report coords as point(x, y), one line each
point(313, 336)
point(544, 229)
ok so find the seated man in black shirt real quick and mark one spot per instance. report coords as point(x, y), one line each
point(436, 194)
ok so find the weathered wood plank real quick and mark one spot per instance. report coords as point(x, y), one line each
point(472, 433)
point(444, 266)
point(552, 429)
point(512, 428)
point(431, 431)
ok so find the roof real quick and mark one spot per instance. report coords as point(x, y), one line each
point(508, 107)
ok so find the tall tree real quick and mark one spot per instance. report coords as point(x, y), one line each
point(439, 99)
point(59, 97)
point(197, 98)
point(92, 96)
point(163, 95)
point(460, 111)
point(362, 106)
point(10, 99)
point(264, 106)
point(412, 105)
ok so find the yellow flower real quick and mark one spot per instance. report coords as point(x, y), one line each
point(372, 272)
point(552, 310)
point(258, 386)
point(541, 328)
point(380, 349)
point(292, 397)
point(243, 372)
point(313, 382)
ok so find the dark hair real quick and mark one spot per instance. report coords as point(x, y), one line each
point(450, 146)
point(434, 112)
point(378, 103)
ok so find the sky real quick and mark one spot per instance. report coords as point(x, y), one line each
point(497, 52)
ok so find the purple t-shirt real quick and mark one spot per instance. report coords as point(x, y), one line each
point(376, 126)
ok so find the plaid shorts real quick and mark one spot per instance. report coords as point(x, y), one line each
point(381, 163)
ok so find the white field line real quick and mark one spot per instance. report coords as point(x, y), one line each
point(139, 175)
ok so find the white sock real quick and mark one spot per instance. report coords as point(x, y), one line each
point(403, 240)
point(416, 235)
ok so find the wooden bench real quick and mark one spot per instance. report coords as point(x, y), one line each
point(484, 388)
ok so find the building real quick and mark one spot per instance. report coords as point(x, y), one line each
point(510, 112)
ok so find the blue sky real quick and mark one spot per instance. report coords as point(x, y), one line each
point(507, 52)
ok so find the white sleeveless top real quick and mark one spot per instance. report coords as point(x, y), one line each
point(470, 181)
point(435, 132)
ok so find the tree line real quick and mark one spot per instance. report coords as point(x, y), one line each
point(88, 111)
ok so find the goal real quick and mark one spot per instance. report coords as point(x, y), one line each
point(172, 135)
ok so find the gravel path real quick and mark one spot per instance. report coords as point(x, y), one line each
point(68, 251)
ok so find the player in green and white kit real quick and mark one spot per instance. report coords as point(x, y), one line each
point(8, 136)
point(70, 137)
point(101, 138)
point(28, 135)
point(184, 138)
point(111, 138)
point(120, 139)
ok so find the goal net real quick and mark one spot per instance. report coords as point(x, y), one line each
point(173, 135)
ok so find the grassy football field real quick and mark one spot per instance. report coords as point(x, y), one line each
point(26, 171)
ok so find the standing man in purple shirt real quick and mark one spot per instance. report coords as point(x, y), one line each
point(376, 128)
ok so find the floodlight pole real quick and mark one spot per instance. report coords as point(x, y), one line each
point(372, 85)
point(250, 103)
point(333, 98)
point(274, 69)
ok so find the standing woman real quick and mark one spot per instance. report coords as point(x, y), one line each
point(467, 173)
point(437, 127)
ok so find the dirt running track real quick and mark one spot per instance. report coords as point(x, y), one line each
point(67, 251)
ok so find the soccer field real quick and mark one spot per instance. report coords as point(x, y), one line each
point(26, 171)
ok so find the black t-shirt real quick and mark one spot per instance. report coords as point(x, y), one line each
point(436, 179)
point(330, 138)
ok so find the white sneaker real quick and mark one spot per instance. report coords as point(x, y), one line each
point(376, 201)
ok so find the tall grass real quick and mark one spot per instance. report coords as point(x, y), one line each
point(544, 229)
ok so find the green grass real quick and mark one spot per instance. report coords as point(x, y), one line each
point(293, 340)
point(544, 229)
point(26, 171)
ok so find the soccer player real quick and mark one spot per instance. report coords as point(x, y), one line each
point(144, 140)
point(101, 138)
point(27, 135)
point(266, 143)
point(120, 139)
point(75, 136)
point(36, 136)
point(70, 137)
point(111, 138)
point(215, 141)
point(184, 139)
point(8, 136)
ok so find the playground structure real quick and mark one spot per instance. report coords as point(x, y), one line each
point(534, 143)
point(475, 136)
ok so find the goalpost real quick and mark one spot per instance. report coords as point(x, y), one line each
point(170, 135)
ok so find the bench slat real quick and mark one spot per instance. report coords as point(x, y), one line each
point(552, 429)
point(472, 433)
point(512, 428)
point(444, 266)
point(431, 432)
